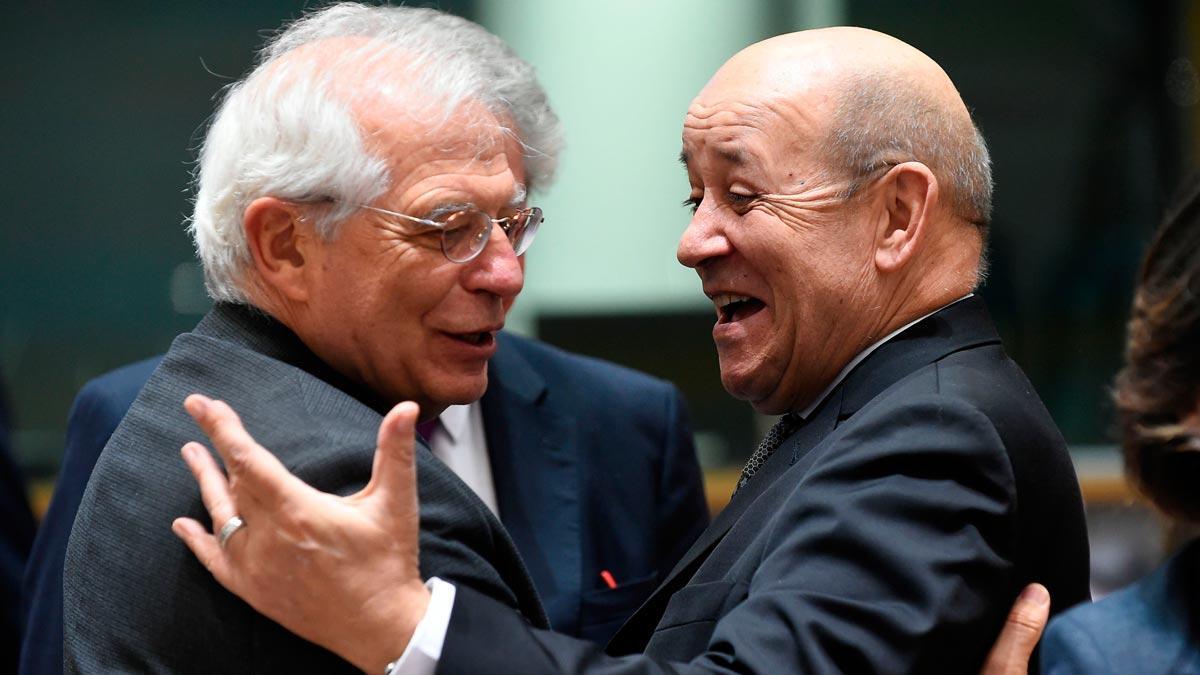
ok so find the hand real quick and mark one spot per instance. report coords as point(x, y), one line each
point(341, 572)
point(1010, 655)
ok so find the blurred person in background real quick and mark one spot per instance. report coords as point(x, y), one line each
point(1151, 627)
point(94, 415)
point(16, 536)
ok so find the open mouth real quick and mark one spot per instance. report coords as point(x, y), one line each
point(732, 307)
point(480, 339)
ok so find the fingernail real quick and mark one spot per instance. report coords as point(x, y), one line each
point(196, 404)
point(1036, 594)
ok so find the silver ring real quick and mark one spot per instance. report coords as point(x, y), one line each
point(232, 525)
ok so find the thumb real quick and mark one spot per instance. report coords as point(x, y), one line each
point(394, 473)
point(1022, 630)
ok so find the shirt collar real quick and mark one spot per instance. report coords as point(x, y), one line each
point(455, 420)
point(803, 414)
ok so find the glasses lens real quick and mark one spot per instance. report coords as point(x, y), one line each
point(465, 235)
point(525, 227)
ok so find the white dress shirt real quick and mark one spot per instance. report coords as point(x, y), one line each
point(460, 443)
point(423, 651)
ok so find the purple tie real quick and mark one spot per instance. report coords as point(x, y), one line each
point(427, 428)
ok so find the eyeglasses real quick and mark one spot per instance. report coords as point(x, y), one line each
point(465, 232)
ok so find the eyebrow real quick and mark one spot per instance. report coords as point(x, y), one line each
point(731, 155)
point(446, 209)
point(519, 194)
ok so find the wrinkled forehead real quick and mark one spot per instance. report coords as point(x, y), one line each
point(753, 128)
point(782, 98)
point(469, 158)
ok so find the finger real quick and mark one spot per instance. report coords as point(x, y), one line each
point(251, 467)
point(214, 489)
point(1022, 630)
point(204, 546)
point(394, 474)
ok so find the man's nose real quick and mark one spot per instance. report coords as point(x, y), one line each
point(497, 269)
point(703, 239)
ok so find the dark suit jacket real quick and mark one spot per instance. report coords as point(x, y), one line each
point(889, 534)
point(95, 413)
point(594, 470)
point(136, 600)
point(580, 490)
point(1150, 628)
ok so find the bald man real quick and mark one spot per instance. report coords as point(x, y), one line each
point(914, 484)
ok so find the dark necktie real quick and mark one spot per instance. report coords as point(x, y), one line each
point(427, 428)
point(774, 438)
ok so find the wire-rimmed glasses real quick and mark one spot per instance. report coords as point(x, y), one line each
point(465, 232)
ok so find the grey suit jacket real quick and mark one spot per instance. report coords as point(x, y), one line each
point(136, 600)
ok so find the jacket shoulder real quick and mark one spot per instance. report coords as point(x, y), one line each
point(1144, 627)
point(561, 366)
point(116, 389)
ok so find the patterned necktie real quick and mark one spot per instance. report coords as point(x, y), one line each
point(774, 438)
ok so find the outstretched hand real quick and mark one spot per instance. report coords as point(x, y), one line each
point(341, 572)
point(1022, 630)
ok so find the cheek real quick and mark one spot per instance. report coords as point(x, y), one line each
point(433, 296)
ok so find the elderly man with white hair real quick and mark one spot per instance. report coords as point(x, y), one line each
point(360, 215)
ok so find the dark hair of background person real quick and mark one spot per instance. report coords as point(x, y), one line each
point(1159, 387)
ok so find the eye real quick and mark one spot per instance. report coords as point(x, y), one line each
point(692, 203)
point(740, 202)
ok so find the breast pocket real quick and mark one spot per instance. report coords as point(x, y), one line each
point(602, 611)
point(690, 617)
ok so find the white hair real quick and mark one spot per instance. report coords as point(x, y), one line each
point(282, 132)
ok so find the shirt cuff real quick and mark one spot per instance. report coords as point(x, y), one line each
point(424, 650)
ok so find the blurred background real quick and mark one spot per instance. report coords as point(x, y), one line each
point(1090, 109)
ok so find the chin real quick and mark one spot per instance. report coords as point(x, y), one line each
point(737, 385)
point(750, 387)
point(463, 390)
point(770, 408)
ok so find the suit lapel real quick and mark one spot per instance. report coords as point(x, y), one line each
point(962, 325)
point(816, 427)
point(634, 634)
point(535, 471)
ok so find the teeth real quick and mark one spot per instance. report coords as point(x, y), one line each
point(723, 300)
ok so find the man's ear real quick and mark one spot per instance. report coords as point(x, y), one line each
point(909, 193)
point(278, 240)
